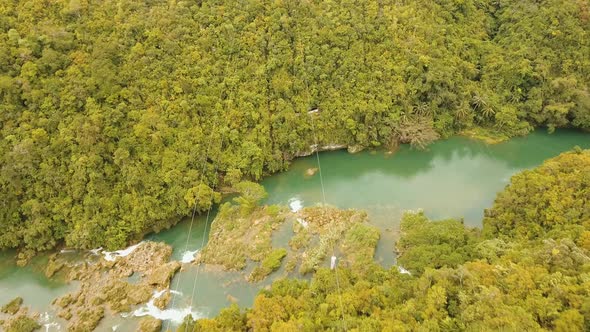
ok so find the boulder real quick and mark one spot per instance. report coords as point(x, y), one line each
point(13, 306)
point(149, 324)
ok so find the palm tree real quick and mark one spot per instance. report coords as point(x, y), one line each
point(462, 112)
point(478, 102)
point(423, 109)
point(482, 106)
point(488, 112)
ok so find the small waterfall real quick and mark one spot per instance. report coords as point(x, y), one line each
point(175, 315)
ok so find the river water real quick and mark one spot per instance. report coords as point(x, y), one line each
point(455, 178)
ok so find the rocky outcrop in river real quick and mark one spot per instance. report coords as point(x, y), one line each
point(106, 286)
point(14, 317)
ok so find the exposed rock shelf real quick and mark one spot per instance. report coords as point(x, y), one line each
point(105, 285)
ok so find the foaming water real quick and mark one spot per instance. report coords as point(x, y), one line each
point(112, 255)
point(189, 256)
point(49, 322)
point(302, 222)
point(295, 204)
point(174, 315)
point(453, 178)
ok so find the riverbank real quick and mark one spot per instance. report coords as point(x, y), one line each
point(532, 249)
point(440, 180)
point(488, 136)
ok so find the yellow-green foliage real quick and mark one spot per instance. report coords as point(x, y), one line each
point(236, 237)
point(326, 227)
point(250, 194)
point(359, 244)
point(113, 114)
point(269, 264)
point(551, 200)
point(229, 319)
point(489, 136)
point(434, 244)
point(507, 281)
point(300, 239)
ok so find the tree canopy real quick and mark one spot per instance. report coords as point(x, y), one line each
point(113, 113)
point(461, 280)
point(551, 200)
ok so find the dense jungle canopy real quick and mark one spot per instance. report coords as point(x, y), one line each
point(118, 116)
point(498, 279)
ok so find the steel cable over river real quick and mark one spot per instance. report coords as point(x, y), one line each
point(457, 177)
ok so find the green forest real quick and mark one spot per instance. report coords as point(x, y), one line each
point(501, 278)
point(118, 117)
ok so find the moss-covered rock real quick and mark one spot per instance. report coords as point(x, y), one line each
point(65, 314)
point(24, 257)
point(311, 171)
point(86, 320)
point(21, 323)
point(236, 237)
point(149, 324)
point(105, 284)
point(163, 300)
point(162, 275)
point(121, 295)
point(53, 266)
point(13, 306)
point(355, 148)
point(146, 257)
point(485, 134)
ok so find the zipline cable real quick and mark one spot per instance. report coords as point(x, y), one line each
point(317, 153)
point(188, 236)
point(203, 242)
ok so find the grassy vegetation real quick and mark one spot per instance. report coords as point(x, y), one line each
point(527, 271)
point(359, 244)
point(324, 229)
point(237, 236)
point(487, 135)
point(424, 244)
point(243, 232)
point(268, 265)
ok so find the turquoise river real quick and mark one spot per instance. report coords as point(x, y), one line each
point(457, 177)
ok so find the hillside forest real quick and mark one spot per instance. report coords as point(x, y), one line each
point(118, 117)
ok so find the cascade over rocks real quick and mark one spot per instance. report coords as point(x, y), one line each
point(105, 287)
